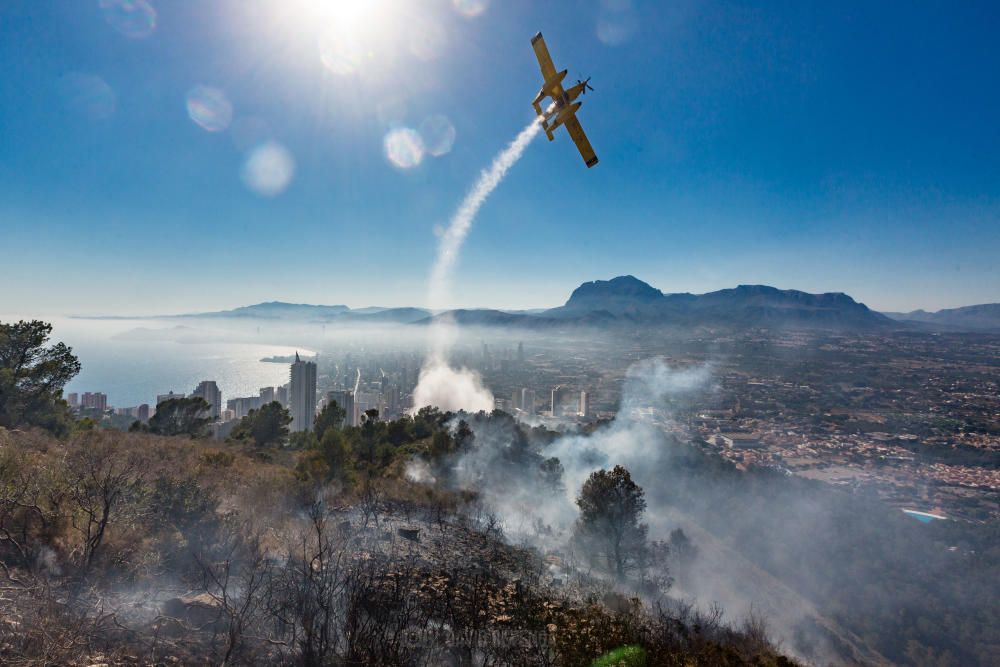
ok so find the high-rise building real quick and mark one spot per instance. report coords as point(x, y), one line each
point(94, 400)
point(364, 401)
point(520, 353)
point(390, 401)
point(515, 400)
point(584, 404)
point(528, 401)
point(209, 390)
point(162, 398)
point(266, 395)
point(558, 396)
point(302, 394)
point(140, 412)
point(345, 399)
point(73, 399)
point(241, 407)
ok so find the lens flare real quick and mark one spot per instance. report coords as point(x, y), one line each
point(617, 22)
point(438, 135)
point(340, 52)
point(404, 147)
point(88, 94)
point(136, 19)
point(209, 108)
point(470, 8)
point(615, 32)
point(269, 169)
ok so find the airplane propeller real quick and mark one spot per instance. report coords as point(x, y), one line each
point(586, 85)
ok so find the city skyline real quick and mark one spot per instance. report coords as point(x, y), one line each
point(390, 394)
point(210, 146)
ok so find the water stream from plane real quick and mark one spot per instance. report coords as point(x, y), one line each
point(439, 384)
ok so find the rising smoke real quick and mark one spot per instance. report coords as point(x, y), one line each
point(536, 514)
point(631, 440)
point(450, 388)
point(440, 384)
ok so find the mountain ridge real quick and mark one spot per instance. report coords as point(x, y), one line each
point(628, 301)
point(745, 305)
point(979, 317)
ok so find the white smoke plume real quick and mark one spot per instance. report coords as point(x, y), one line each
point(534, 513)
point(632, 440)
point(419, 471)
point(439, 384)
point(450, 388)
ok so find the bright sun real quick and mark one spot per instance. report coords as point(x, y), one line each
point(351, 14)
point(347, 31)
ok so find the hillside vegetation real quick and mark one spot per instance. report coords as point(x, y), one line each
point(132, 548)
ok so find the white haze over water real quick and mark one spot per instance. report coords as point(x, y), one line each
point(439, 384)
point(132, 369)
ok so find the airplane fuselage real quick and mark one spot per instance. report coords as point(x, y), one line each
point(562, 110)
point(562, 107)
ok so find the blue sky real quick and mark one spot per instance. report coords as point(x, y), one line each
point(820, 146)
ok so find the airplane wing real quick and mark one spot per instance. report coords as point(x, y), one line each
point(544, 59)
point(580, 139)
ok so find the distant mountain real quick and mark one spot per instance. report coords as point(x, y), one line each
point(982, 317)
point(278, 310)
point(628, 298)
point(485, 317)
point(398, 315)
point(628, 301)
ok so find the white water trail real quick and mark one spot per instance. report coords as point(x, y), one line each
point(440, 384)
point(454, 236)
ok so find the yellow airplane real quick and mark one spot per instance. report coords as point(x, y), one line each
point(563, 109)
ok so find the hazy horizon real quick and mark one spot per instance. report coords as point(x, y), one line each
point(224, 304)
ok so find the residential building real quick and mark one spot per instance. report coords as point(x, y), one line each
point(302, 394)
point(740, 440)
point(558, 398)
point(241, 407)
point(94, 401)
point(209, 390)
point(528, 401)
point(162, 398)
point(345, 399)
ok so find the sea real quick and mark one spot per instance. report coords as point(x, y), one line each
point(132, 361)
